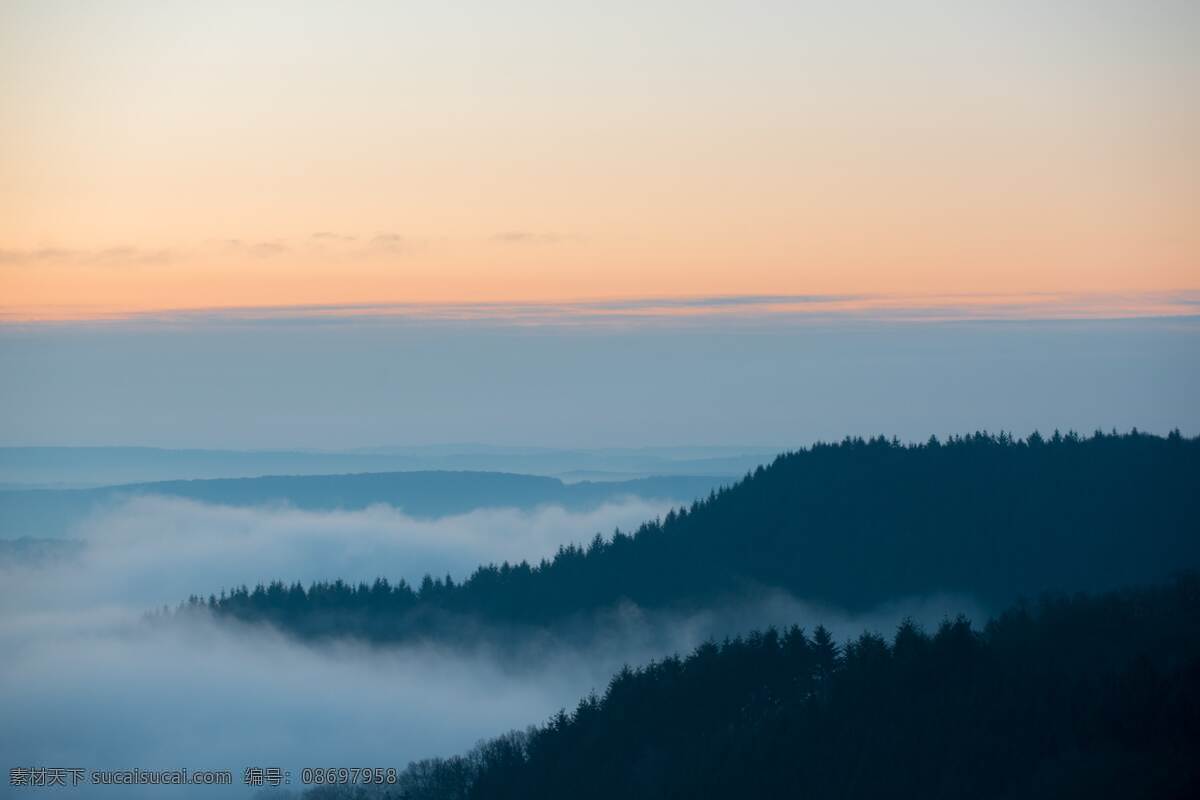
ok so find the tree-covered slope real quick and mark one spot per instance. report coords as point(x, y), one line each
point(853, 524)
point(1080, 697)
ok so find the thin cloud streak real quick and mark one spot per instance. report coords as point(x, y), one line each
point(119, 255)
point(656, 311)
point(532, 237)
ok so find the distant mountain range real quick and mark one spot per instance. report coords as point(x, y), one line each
point(84, 467)
point(43, 513)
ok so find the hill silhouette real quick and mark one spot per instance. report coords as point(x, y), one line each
point(87, 467)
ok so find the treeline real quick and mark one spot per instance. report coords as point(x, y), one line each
point(853, 524)
point(1073, 697)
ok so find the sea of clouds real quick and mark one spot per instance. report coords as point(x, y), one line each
point(87, 680)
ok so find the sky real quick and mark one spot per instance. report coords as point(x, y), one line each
point(167, 155)
point(329, 225)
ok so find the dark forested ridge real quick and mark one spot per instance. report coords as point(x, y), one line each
point(1079, 697)
point(853, 524)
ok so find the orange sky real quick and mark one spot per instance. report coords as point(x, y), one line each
point(173, 155)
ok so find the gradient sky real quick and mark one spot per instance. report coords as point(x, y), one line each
point(595, 224)
point(180, 154)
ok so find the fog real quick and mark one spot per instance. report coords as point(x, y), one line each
point(87, 680)
point(154, 550)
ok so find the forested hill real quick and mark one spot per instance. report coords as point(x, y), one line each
point(852, 524)
point(1070, 698)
